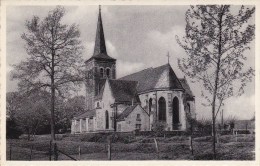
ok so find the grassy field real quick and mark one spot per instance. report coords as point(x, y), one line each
point(141, 148)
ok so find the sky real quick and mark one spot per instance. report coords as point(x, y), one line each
point(138, 37)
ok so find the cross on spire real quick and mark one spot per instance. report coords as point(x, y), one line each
point(168, 55)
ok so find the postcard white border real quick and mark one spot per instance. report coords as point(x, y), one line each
point(6, 3)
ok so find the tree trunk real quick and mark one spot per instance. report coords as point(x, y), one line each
point(216, 88)
point(52, 97)
point(52, 113)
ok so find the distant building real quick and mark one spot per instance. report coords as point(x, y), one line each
point(133, 102)
point(248, 125)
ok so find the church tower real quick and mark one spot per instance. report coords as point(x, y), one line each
point(99, 67)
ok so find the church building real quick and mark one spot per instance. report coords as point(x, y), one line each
point(133, 102)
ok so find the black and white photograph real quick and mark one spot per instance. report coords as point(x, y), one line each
point(131, 82)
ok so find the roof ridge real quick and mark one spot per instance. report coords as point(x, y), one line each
point(137, 72)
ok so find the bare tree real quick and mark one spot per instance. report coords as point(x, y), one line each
point(215, 42)
point(54, 61)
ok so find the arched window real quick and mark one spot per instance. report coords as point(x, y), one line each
point(107, 120)
point(162, 109)
point(188, 107)
point(101, 72)
point(98, 105)
point(175, 111)
point(150, 105)
point(108, 72)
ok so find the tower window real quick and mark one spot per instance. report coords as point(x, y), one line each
point(108, 72)
point(101, 72)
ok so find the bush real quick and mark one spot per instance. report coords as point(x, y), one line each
point(158, 127)
point(103, 137)
point(243, 132)
point(12, 130)
point(93, 137)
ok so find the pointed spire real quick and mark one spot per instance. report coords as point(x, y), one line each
point(100, 44)
point(100, 51)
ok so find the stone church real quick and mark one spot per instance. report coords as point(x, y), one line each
point(133, 102)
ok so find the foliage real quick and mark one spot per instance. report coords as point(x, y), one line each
point(54, 62)
point(29, 112)
point(228, 150)
point(231, 121)
point(203, 126)
point(216, 40)
point(158, 127)
point(24, 111)
point(12, 129)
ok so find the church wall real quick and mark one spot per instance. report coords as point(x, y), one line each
point(90, 85)
point(129, 124)
point(107, 100)
point(144, 98)
point(105, 65)
point(168, 96)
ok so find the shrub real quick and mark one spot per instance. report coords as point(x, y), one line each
point(158, 127)
point(12, 130)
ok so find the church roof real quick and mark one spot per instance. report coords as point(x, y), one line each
point(87, 114)
point(123, 90)
point(186, 86)
point(126, 112)
point(100, 51)
point(162, 77)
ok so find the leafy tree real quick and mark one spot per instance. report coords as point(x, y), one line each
point(215, 42)
point(54, 61)
point(30, 111)
point(67, 109)
point(13, 101)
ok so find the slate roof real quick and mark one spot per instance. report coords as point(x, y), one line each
point(186, 86)
point(100, 51)
point(101, 56)
point(123, 90)
point(87, 114)
point(149, 79)
point(126, 112)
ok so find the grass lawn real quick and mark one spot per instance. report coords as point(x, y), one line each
point(143, 148)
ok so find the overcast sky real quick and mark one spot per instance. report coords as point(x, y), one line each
point(137, 36)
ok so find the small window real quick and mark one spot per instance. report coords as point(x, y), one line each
point(138, 126)
point(101, 72)
point(98, 105)
point(138, 117)
point(108, 73)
